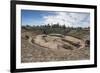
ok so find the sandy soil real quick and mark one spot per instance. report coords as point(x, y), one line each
point(42, 48)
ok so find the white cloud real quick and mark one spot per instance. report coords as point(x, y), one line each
point(68, 18)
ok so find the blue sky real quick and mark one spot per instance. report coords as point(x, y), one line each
point(36, 17)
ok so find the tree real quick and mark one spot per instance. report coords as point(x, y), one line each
point(64, 27)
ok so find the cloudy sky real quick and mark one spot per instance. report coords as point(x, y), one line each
point(75, 19)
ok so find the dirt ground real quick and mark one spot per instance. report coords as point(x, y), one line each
point(44, 48)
